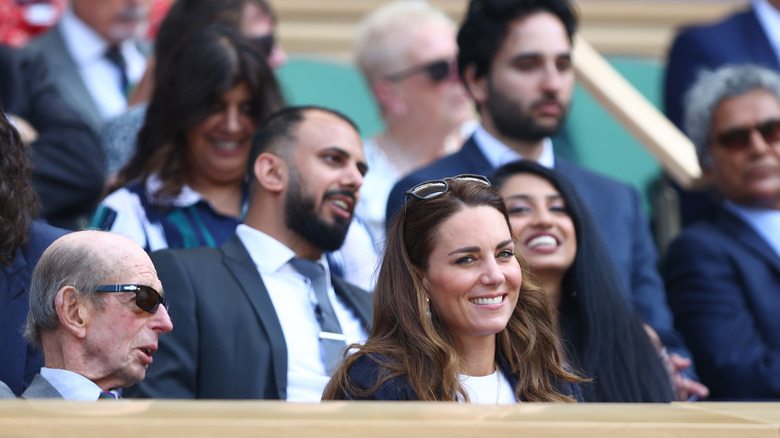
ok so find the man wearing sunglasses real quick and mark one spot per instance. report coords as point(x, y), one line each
point(261, 317)
point(723, 274)
point(96, 312)
point(515, 60)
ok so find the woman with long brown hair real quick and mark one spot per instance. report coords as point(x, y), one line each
point(455, 315)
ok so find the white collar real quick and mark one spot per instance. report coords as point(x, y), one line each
point(72, 385)
point(269, 254)
point(83, 43)
point(498, 154)
point(764, 221)
point(185, 198)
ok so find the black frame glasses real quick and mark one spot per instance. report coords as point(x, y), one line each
point(437, 71)
point(146, 298)
point(738, 139)
point(433, 188)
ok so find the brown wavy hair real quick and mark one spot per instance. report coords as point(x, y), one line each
point(421, 349)
point(18, 201)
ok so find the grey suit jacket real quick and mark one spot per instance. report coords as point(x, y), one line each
point(66, 76)
point(5, 391)
point(227, 341)
point(40, 388)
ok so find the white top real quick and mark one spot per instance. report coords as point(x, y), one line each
point(493, 389)
point(72, 386)
point(294, 301)
point(131, 219)
point(769, 18)
point(765, 222)
point(498, 153)
point(101, 77)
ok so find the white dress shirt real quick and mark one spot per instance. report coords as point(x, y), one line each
point(101, 77)
point(294, 302)
point(498, 153)
point(72, 386)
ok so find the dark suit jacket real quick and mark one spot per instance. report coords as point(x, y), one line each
point(723, 282)
point(739, 39)
point(41, 388)
point(365, 373)
point(617, 211)
point(68, 80)
point(68, 161)
point(227, 341)
point(21, 361)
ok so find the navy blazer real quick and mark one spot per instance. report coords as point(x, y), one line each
point(723, 282)
point(617, 211)
point(739, 39)
point(21, 362)
point(365, 373)
point(227, 342)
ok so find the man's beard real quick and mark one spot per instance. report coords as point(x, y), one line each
point(303, 220)
point(510, 120)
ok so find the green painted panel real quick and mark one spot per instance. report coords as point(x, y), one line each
point(333, 84)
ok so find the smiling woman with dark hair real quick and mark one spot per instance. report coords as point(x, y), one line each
point(555, 234)
point(186, 185)
point(456, 317)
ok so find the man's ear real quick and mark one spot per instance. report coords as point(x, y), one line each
point(72, 311)
point(477, 87)
point(388, 96)
point(271, 172)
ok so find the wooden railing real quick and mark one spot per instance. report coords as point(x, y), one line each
point(268, 419)
point(639, 27)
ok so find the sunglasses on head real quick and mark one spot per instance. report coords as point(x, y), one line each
point(437, 71)
point(146, 298)
point(434, 188)
point(265, 42)
point(738, 139)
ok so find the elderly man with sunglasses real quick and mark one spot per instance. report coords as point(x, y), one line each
point(723, 274)
point(96, 313)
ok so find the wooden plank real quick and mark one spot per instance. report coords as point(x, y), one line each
point(133, 418)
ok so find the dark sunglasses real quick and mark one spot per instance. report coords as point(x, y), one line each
point(437, 71)
point(146, 298)
point(738, 139)
point(265, 42)
point(434, 188)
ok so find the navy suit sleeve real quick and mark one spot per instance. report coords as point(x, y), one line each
point(690, 53)
point(709, 291)
point(647, 288)
point(174, 372)
point(365, 373)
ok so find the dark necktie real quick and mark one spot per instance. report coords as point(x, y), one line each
point(332, 340)
point(115, 56)
point(106, 395)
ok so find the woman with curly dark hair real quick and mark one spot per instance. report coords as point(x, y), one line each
point(456, 317)
point(22, 241)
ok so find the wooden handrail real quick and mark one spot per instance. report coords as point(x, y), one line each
point(660, 136)
point(268, 419)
